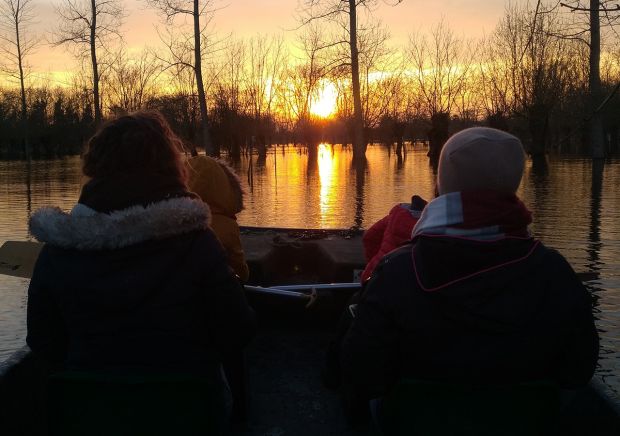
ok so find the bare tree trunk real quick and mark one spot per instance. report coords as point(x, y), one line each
point(359, 143)
point(437, 136)
point(202, 99)
point(538, 123)
point(24, 107)
point(93, 58)
point(597, 142)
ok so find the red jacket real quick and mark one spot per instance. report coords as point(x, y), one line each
point(387, 234)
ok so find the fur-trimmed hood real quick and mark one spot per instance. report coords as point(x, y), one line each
point(85, 229)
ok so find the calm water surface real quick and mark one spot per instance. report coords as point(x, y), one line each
point(574, 212)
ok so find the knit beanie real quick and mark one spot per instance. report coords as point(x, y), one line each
point(481, 158)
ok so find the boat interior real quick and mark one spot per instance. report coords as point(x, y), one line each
point(277, 385)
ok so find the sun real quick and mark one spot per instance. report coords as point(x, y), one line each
point(324, 102)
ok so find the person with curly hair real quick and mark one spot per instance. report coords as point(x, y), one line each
point(133, 279)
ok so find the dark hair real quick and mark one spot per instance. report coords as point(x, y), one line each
point(141, 141)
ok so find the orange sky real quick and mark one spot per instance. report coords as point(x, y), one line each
point(249, 17)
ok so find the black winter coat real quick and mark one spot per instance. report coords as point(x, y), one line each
point(141, 288)
point(484, 313)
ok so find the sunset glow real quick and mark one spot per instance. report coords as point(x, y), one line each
point(324, 104)
point(245, 18)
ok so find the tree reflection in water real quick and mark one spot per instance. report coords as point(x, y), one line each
point(328, 191)
point(359, 167)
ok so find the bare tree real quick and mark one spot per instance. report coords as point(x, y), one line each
point(305, 77)
point(131, 82)
point(200, 13)
point(262, 72)
point(494, 79)
point(17, 44)
point(263, 67)
point(442, 65)
point(302, 84)
point(230, 86)
point(380, 72)
point(593, 9)
point(229, 105)
point(186, 107)
point(537, 65)
point(344, 13)
point(89, 25)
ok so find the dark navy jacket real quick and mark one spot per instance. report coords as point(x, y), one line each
point(100, 300)
point(471, 312)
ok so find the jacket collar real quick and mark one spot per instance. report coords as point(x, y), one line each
point(86, 229)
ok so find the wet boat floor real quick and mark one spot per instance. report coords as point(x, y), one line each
point(286, 396)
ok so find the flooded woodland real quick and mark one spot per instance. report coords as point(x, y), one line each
point(330, 111)
point(576, 209)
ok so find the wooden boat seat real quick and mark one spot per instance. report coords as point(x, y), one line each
point(95, 404)
point(427, 408)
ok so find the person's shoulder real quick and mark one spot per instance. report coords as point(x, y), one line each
point(208, 256)
point(558, 275)
point(397, 260)
point(399, 253)
point(552, 259)
point(198, 243)
point(54, 265)
point(392, 279)
point(46, 255)
point(205, 241)
point(52, 255)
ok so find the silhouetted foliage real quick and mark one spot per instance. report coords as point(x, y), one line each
point(526, 77)
point(57, 127)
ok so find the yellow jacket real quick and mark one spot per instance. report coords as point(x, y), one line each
point(218, 186)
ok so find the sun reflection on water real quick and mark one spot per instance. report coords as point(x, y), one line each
point(328, 179)
point(318, 188)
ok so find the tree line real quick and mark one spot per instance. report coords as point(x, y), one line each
point(548, 72)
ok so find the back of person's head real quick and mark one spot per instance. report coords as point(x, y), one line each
point(140, 142)
point(481, 158)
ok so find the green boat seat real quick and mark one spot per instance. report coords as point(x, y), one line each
point(99, 404)
point(427, 408)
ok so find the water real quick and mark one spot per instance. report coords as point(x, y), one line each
point(574, 212)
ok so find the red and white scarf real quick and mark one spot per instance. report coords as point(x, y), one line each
point(479, 215)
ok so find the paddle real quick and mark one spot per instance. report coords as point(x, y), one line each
point(17, 258)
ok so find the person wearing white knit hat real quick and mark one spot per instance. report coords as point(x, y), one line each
point(481, 158)
point(479, 172)
point(474, 298)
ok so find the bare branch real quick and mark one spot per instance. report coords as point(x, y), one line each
point(614, 8)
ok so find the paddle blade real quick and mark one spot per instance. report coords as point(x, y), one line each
point(17, 258)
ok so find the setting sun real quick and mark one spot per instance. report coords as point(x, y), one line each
point(324, 103)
